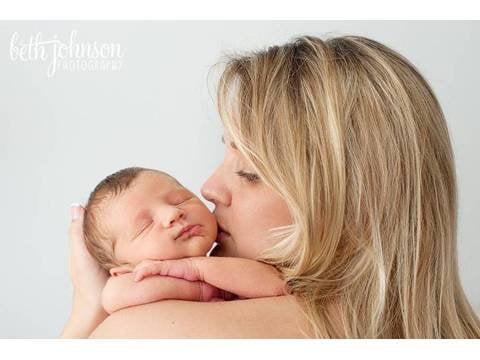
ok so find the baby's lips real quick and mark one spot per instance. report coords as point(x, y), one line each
point(189, 231)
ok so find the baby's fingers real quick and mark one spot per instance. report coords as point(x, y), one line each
point(147, 270)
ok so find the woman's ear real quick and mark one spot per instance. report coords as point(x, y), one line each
point(119, 270)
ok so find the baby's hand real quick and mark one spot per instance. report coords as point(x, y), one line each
point(121, 291)
point(180, 268)
point(244, 278)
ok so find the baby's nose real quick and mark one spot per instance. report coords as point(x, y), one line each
point(173, 216)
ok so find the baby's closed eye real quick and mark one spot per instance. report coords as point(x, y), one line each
point(144, 227)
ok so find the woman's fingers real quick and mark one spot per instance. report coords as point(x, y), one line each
point(75, 232)
point(76, 224)
point(80, 256)
point(87, 276)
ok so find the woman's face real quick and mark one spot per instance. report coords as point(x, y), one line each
point(245, 207)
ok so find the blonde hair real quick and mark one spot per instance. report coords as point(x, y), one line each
point(352, 137)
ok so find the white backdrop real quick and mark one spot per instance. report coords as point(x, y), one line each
point(61, 134)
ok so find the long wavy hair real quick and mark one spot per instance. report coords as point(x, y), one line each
point(352, 137)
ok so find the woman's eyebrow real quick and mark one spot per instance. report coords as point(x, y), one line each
point(232, 144)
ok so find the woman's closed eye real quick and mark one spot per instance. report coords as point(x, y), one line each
point(250, 177)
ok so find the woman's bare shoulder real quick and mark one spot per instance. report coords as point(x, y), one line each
point(272, 317)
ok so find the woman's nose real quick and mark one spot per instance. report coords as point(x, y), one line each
point(215, 189)
point(174, 214)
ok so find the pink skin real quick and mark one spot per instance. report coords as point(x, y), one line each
point(244, 277)
point(245, 209)
point(182, 269)
point(147, 220)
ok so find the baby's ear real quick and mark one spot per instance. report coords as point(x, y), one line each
point(119, 270)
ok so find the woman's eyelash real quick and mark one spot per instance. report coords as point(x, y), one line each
point(250, 177)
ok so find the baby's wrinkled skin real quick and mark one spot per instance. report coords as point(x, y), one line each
point(161, 262)
point(147, 217)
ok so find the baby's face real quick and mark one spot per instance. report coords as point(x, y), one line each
point(147, 220)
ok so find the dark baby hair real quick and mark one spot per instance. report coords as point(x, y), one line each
point(97, 239)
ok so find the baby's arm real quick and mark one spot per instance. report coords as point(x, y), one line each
point(243, 277)
point(122, 291)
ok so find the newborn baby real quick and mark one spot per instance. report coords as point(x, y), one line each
point(138, 221)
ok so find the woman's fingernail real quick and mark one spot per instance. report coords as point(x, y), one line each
point(75, 211)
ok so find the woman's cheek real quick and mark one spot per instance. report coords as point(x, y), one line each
point(244, 244)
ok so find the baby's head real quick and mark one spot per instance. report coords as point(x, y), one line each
point(137, 214)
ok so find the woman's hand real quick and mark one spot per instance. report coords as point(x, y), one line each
point(88, 280)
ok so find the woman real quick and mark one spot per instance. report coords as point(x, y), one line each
point(339, 171)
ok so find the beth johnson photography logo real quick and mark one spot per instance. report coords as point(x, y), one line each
point(66, 54)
